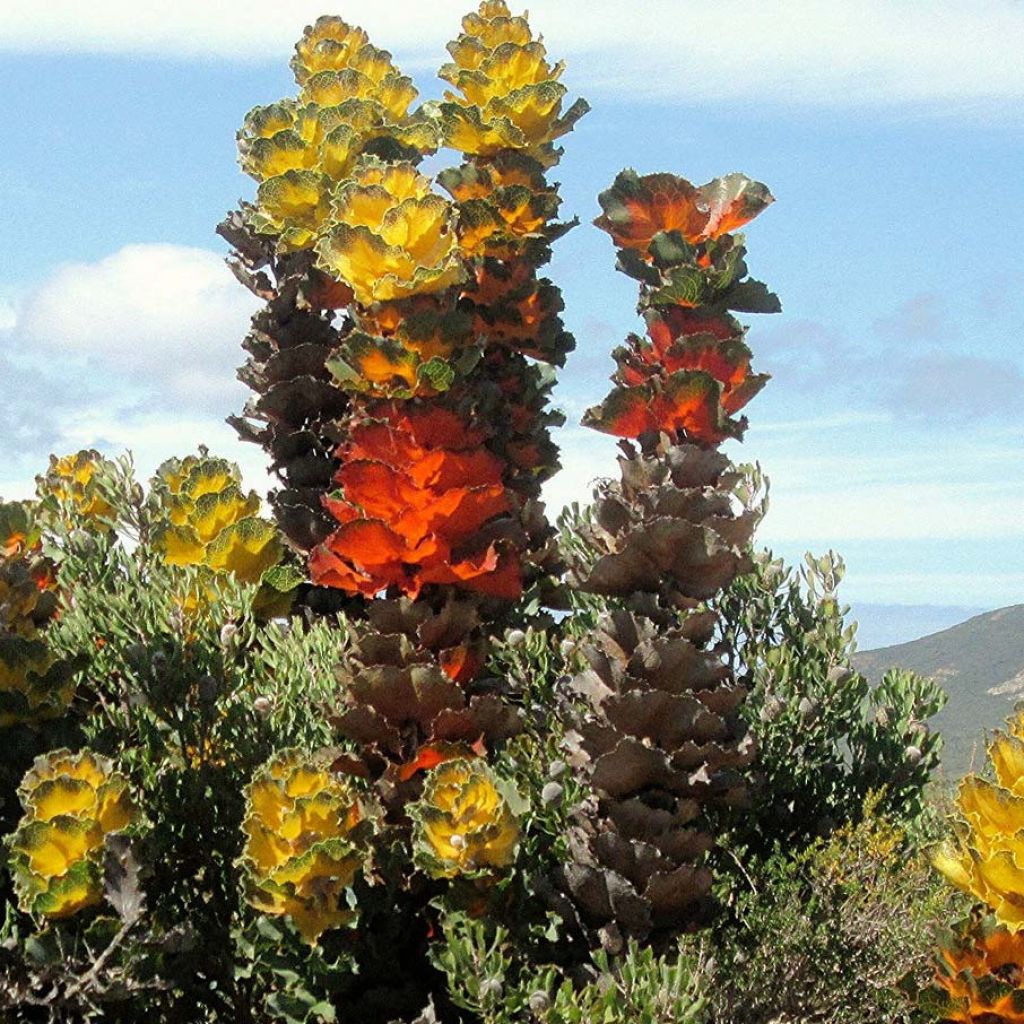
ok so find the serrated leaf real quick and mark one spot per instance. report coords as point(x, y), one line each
point(283, 578)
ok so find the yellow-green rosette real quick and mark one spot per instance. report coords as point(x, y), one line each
point(508, 96)
point(72, 803)
point(391, 237)
point(307, 839)
point(77, 483)
point(208, 520)
point(464, 823)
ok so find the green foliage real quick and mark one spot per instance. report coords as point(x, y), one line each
point(841, 933)
point(189, 689)
point(486, 977)
point(826, 738)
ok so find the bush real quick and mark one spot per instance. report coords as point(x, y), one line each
point(826, 737)
point(841, 933)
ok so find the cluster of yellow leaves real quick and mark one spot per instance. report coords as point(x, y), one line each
point(72, 802)
point(390, 236)
point(77, 482)
point(33, 684)
point(464, 823)
point(210, 521)
point(307, 833)
point(509, 96)
point(987, 858)
point(352, 101)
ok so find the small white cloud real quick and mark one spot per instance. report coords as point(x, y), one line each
point(163, 320)
point(135, 351)
point(957, 53)
point(586, 457)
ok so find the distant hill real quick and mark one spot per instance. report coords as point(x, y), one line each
point(979, 663)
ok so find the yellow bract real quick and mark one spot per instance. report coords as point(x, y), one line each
point(508, 94)
point(464, 824)
point(31, 690)
point(293, 205)
point(306, 841)
point(988, 859)
point(327, 45)
point(390, 237)
point(210, 521)
point(76, 482)
point(981, 976)
point(352, 101)
point(72, 802)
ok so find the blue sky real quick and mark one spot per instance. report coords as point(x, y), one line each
point(890, 133)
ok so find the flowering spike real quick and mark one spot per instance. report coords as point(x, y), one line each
point(661, 712)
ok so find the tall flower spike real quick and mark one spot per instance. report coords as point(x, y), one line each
point(307, 839)
point(504, 116)
point(72, 802)
point(659, 737)
point(353, 105)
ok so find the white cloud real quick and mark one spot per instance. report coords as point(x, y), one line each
point(135, 351)
point(165, 320)
point(954, 53)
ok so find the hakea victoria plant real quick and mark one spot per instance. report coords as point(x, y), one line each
point(403, 363)
point(659, 740)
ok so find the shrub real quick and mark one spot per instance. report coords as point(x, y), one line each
point(826, 738)
point(841, 932)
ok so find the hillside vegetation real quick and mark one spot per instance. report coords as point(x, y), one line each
point(980, 665)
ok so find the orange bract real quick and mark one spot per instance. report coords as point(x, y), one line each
point(417, 490)
point(983, 977)
point(637, 208)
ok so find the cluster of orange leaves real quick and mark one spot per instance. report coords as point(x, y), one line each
point(416, 488)
point(692, 372)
